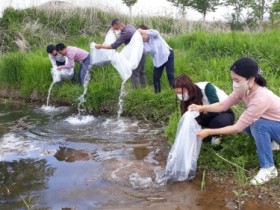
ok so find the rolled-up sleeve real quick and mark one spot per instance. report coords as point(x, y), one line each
point(153, 33)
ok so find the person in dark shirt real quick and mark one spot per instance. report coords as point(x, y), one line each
point(203, 93)
point(138, 77)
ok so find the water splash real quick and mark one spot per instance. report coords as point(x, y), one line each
point(138, 182)
point(122, 95)
point(49, 93)
point(80, 120)
point(48, 109)
point(161, 176)
point(81, 98)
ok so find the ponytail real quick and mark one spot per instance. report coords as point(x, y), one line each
point(261, 81)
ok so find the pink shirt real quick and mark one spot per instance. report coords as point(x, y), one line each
point(75, 54)
point(262, 103)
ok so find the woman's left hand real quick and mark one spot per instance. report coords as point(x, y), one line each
point(202, 134)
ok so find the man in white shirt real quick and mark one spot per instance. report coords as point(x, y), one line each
point(55, 58)
point(162, 53)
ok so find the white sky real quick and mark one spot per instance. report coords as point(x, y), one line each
point(142, 7)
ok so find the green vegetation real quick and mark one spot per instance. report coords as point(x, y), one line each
point(205, 56)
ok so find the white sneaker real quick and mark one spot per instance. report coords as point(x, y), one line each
point(275, 146)
point(264, 175)
point(216, 140)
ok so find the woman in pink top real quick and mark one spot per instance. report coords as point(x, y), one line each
point(261, 119)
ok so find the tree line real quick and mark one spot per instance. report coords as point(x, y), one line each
point(256, 9)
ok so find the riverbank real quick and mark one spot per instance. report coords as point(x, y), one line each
point(204, 56)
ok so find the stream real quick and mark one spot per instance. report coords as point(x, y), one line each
point(49, 160)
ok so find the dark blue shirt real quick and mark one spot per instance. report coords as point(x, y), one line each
point(125, 37)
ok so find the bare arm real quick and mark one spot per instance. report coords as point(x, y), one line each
point(103, 46)
point(232, 129)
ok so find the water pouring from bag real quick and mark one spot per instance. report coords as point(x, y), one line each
point(56, 78)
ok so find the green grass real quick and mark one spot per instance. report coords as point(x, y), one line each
point(204, 56)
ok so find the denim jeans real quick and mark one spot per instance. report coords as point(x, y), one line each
point(264, 131)
point(169, 65)
point(85, 65)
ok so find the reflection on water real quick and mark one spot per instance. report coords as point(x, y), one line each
point(25, 178)
point(105, 163)
point(72, 155)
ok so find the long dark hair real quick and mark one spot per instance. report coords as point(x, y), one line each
point(195, 93)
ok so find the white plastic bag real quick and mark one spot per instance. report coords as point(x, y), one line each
point(124, 61)
point(182, 159)
point(100, 57)
point(129, 57)
point(63, 74)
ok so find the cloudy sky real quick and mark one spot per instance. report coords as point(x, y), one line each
point(142, 7)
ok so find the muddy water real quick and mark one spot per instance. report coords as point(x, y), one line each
point(51, 161)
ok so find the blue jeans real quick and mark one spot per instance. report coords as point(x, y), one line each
point(264, 131)
point(85, 65)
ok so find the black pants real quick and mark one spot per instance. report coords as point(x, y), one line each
point(218, 120)
point(60, 63)
point(169, 65)
point(138, 77)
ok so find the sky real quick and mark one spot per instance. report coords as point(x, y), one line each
point(142, 7)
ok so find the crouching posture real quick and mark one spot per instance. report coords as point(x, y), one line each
point(261, 119)
point(203, 93)
point(56, 61)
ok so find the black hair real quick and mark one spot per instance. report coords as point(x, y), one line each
point(50, 48)
point(143, 27)
point(59, 47)
point(247, 68)
point(116, 22)
point(260, 80)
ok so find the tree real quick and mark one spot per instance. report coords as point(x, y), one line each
point(130, 4)
point(182, 5)
point(204, 6)
point(260, 7)
point(275, 11)
point(238, 7)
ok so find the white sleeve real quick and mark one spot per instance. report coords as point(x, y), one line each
point(53, 61)
point(66, 60)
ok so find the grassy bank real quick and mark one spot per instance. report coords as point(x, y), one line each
point(205, 56)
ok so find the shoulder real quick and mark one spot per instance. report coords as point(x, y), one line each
point(129, 28)
point(202, 85)
point(263, 95)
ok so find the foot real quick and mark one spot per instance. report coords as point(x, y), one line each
point(264, 175)
point(216, 140)
point(275, 146)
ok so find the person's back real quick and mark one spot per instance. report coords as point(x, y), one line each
point(126, 34)
point(211, 93)
point(75, 54)
point(157, 47)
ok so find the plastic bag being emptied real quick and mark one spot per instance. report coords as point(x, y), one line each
point(182, 159)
